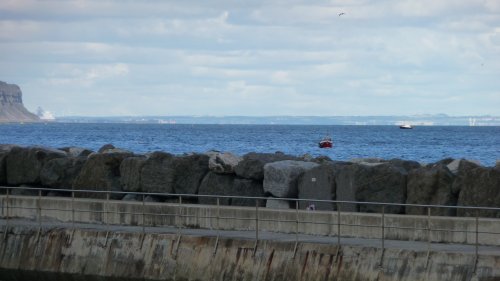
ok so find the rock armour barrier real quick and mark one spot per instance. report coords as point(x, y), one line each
point(453, 182)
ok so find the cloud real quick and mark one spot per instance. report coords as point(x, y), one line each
point(257, 58)
point(85, 76)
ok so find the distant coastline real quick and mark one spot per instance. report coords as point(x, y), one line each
point(415, 120)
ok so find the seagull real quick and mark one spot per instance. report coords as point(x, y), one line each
point(341, 14)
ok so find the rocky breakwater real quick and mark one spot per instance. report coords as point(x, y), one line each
point(453, 182)
point(11, 105)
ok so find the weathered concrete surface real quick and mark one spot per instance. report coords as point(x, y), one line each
point(92, 253)
point(397, 227)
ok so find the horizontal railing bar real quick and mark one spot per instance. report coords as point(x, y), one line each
point(248, 197)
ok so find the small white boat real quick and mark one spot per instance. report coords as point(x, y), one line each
point(405, 126)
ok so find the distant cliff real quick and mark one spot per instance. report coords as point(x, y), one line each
point(11, 105)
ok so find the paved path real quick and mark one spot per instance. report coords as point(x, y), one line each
point(263, 235)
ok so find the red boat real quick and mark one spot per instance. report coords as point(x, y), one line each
point(326, 143)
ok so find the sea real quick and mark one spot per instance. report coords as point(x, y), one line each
point(425, 144)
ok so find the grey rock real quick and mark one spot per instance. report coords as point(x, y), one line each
point(74, 151)
point(275, 203)
point(407, 165)
point(322, 159)
point(307, 157)
point(431, 185)
point(216, 184)
point(61, 172)
point(4, 151)
point(479, 186)
point(26, 190)
point(367, 160)
point(152, 198)
point(158, 173)
point(252, 165)
point(25, 163)
point(132, 197)
point(189, 172)
point(101, 171)
point(130, 171)
point(223, 163)
point(381, 183)
point(228, 185)
point(456, 165)
point(319, 183)
point(280, 178)
point(58, 194)
point(248, 188)
point(445, 162)
point(106, 147)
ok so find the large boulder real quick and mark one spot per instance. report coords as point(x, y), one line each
point(222, 162)
point(248, 188)
point(459, 166)
point(280, 178)
point(158, 173)
point(61, 172)
point(407, 165)
point(479, 186)
point(25, 163)
point(229, 185)
point(189, 172)
point(130, 171)
point(319, 183)
point(252, 165)
point(367, 161)
point(371, 183)
point(4, 151)
point(74, 151)
point(105, 147)
point(101, 171)
point(216, 184)
point(276, 203)
point(431, 185)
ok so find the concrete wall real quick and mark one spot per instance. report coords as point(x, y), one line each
point(398, 227)
point(58, 254)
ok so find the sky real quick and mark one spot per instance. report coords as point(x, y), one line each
point(254, 58)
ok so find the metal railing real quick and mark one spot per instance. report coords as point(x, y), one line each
point(143, 214)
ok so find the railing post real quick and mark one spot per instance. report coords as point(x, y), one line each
point(179, 214)
point(40, 208)
point(296, 221)
point(256, 226)
point(8, 215)
point(7, 205)
point(428, 230)
point(218, 216)
point(217, 227)
point(106, 211)
point(477, 235)
point(73, 209)
point(338, 223)
point(143, 215)
point(256, 220)
point(383, 227)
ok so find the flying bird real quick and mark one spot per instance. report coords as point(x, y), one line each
point(341, 14)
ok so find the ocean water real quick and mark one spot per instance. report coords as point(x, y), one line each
point(425, 144)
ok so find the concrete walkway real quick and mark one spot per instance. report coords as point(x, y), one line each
point(262, 235)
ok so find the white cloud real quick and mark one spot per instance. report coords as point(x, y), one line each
point(247, 57)
point(79, 76)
